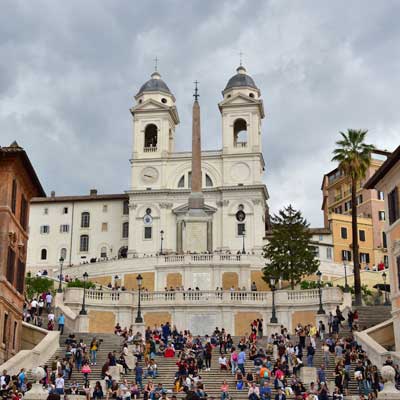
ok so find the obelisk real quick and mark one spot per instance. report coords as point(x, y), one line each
point(196, 198)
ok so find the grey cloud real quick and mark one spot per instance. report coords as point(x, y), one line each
point(69, 71)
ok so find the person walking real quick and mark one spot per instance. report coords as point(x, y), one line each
point(207, 356)
point(94, 346)
point(61, 322)
point(241, 361)
point(310, 355)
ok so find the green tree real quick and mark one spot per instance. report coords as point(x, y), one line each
point(35, 285)
point(77, 283)
point(289, 252)
point(354, 158)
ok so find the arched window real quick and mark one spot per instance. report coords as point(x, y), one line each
point(125, 230)
point(103, 252)
point(63, 253)
point(123, 252)
point(84, 243)
point(43, 254)
point(181, 183)
point(209, 182)
point(240, 133)
point(150, 137)
point(85, 220)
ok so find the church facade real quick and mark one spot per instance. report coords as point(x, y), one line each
point(147, 218)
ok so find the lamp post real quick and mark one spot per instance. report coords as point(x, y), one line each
point(83, 309)
point(161, 240)
point(59, 290)
point(243, 236)
point(273, 319)
point(386, 303)
point(139, 318)
point(346, 286)
point(321, 309)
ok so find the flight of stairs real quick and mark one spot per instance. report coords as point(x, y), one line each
point(372, 315)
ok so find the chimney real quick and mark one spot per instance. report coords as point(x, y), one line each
point(93, 192)
point(53, 193)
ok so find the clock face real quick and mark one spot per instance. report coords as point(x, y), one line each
point(149, 175)
point(147, 219)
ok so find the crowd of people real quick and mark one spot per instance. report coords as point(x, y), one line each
point(262, 367)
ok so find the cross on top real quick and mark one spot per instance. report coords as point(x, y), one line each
point(241, 57)
point(155, 63)
point(196, 91)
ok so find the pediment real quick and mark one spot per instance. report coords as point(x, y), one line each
point(183, 209)
point(151, 105)
point(239, 98)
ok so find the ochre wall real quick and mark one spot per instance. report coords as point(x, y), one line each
point(243, 320)
point(30, 338)
point(101, 280)
point(101, 321)
point(174, 279)
point(303, 317)
point(156, 318)
point(256, 276)
point(148, 281)
point(230, 279)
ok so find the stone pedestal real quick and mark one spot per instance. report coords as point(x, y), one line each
point(273, 328)
point(324, 319)
point(308, 375)
point(36, 393)
point(139, 327)
point(83, 323)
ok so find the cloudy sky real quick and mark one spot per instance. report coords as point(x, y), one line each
point(69, 71)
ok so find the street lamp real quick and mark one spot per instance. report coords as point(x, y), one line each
point(386, 303)
point(161, 244)
point(59, 290)
point(346, 286)
point(243, 236)
point(273, 319)
point(320, 310)
point(139, 318)
point(83, 310)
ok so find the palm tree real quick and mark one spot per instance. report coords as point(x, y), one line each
point(354, 158)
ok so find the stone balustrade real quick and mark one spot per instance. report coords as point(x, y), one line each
point(330, 296)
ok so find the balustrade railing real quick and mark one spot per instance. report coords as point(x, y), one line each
point(211, 297)
point(150, 149)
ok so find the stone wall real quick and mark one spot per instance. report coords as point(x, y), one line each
point(130, 281)
point(230, 279)
point(303, 317)
point(243, 321)
point(101, 321)
point(156, 318)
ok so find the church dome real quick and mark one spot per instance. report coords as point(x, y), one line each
point(241, 79)
point(155, 84)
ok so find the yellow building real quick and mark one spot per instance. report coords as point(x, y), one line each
point(387, 180)
point(337, 208)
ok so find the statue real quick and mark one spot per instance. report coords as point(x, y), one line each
point(389, 391)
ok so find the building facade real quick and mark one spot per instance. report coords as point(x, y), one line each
point(18, 184)
point(387, 180)
point(337, 207)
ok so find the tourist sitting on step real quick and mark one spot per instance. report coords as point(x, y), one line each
point(151, 369)
point(223, 362)
point(169, 352)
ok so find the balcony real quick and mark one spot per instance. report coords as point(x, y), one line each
point(240, 144)
point(151, 149)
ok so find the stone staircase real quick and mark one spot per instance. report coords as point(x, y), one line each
point(167, 368)
point(372, 315)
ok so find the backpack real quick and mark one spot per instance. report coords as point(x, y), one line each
point(234, 357)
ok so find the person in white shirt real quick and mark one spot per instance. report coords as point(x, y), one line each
point(60, 384)
point(223, 363)
point(49, 299)
point(50, 317)
point(34, 305)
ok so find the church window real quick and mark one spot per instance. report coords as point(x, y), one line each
point(104, 227)
point(85, 220)
point(251, 95)
point(164, 100)
point(103, 252)
point(125, 230)
point(240, 133)
point(63, 253)
point(241, 229)
point(148, 232)
point(126, 207)
point(190, 179)
point(181, 183)
point(43, 254)
point(150, 137)
point(84, 243)
point(209, 182)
